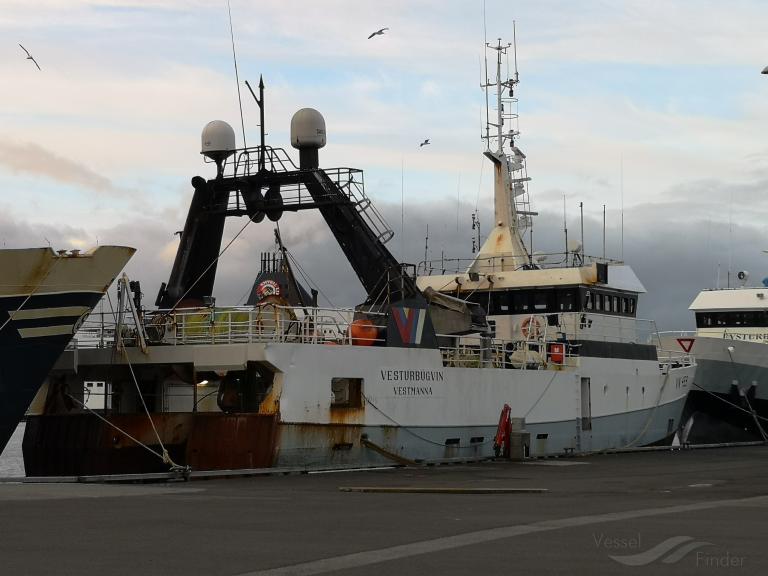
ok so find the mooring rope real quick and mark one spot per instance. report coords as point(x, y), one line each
point(411, 432)
point(653, 412)
point(165, 456)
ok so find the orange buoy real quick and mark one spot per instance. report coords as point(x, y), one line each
point(556, 352)
point(530, 327)
point(363, 332)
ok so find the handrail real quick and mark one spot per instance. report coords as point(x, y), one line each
point(549, 347)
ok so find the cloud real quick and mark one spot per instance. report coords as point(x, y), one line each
point(671, 92)
point(37, 161)
point(674, 258)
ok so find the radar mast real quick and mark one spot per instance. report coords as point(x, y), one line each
point(505, 249)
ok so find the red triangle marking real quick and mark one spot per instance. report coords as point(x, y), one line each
point(686, 343)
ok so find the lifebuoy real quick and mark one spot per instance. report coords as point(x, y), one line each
point(530, 327)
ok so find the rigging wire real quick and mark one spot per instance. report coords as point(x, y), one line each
point(305, 275)
point(237, 77)
point(203, 273)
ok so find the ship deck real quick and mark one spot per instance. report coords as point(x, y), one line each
point(620, 505)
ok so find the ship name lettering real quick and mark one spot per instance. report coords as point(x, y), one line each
point(390, 375)
point(412, 390)
point(744, 336)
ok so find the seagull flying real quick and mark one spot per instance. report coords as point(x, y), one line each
point(378, 33)
point(29, 57)
point(424, 143)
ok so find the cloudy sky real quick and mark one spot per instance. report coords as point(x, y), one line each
point(662, 100)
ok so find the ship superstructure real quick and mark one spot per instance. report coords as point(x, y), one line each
point(571, 299)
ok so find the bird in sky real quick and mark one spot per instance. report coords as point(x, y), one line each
point(378, 33)
point(424, 143)
point(29, 57)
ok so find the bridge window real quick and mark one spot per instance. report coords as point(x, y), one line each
point(732, 319)
point(540, 301)
point(566, 301)
point(521, 302)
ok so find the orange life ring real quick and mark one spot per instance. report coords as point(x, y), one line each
point(530, 327)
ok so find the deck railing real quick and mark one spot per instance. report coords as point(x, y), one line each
point(553, 346)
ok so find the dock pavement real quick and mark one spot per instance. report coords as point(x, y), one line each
point(672, 512)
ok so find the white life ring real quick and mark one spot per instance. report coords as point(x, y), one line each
point(530, 327)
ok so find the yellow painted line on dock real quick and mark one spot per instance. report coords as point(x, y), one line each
point(439, 490)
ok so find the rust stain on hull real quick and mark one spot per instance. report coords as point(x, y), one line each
point(81, 444)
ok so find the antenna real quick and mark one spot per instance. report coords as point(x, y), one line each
point(717, 279)
point(237, 77)
point(730, 239)
point(402, 208)
point(426, 248)
point(260, 102)
point(621, 191)
point(485, 54)
point(458, 201)
point(565, 229)
point(603, 231)
point(514, 44)
point(581, 210)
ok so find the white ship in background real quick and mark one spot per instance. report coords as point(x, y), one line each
point(415, 373)
point(729, 397)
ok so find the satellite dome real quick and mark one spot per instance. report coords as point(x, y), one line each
point(218, 140)
point(307, 129)
point(574, 246)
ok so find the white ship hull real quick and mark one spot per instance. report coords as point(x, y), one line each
point(413, 405)
point(730, 383)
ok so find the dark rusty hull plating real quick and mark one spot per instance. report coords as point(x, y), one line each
point(82, 444)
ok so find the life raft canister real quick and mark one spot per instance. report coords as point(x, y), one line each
point(556, 352)
point(363, 332)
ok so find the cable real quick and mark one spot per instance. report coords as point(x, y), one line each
point(730, 403)
point(411, 432)
point(541, 396)
point(306, 277)
point(165, 456)
point(209, 266)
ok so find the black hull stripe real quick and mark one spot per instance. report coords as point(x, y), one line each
point(623, 350)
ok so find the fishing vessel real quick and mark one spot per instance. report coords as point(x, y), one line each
point(44, 297)
point(729, 397)
point(429, 368)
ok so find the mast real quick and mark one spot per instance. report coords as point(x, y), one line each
point(505, 249)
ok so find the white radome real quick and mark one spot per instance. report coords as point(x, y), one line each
point(307, 129)
point(218, 140)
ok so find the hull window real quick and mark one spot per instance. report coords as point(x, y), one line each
point(347, 392)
